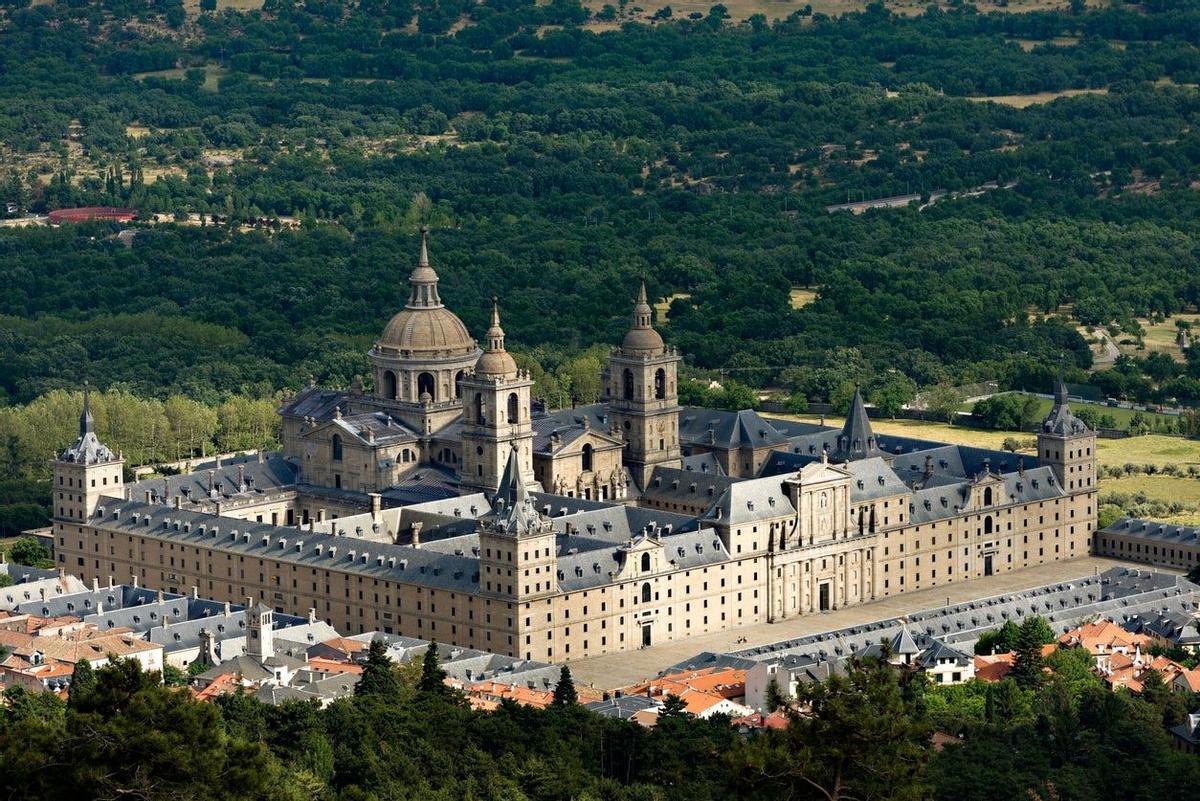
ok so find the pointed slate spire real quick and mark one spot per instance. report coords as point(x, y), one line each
point(1061, 421)
point(1060, 387)
point(857, 440)
point(423, 280)
point(87, 425)
point(512, 486)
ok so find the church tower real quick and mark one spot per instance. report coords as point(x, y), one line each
point(85, 472)
point(1067, 446)
point(496, 416)
point(641, 389)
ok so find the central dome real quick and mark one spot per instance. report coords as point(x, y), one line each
point(641, 337)
point(427, 331)
point(424, 327)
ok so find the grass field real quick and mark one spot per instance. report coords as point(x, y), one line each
point(800, 297)
point(212, 74)
point(1160, 488)
point(778, 9)
point(1025, 101)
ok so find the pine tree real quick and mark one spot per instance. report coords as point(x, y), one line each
point(433, 678)
point(564, 691)
point(379, 674)
point(1154, 690)
point(82, 682)
point(1028, 664)
point(775, 699)
point(673, 707)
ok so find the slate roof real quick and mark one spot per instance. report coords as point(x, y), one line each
point(703, 463)
point(751, 500)
point(622, 707)
point(87, 449)
point(1154, 531)
point(723, 430)
point(1061, 421)
point(307, 548)
point(674, 485)
point(273, 474)
point(591, 568)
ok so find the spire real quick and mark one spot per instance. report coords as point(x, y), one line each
point(1061, 421)
point(86, 424)
point(641, 310)
point(1060, 387)
point(423, 280)
point(857, 440)
point(495, 334)
point(513, 506)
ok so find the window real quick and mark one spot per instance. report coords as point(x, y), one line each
point(337, 447)
point(660, 383)
point(646, 592)
point(587, 458)
point(458, 377)
point(646, 562)
point(425, 384)
point(627, 390)
point(514, 411)
point(389, 385)
point(479, 417)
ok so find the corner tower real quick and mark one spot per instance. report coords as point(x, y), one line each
point(518, 557)
point(496, 416)
point(642, 392)
point(1067, 446)
point(84, 472)
point(423, 354)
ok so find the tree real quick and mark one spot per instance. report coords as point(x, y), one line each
point(892, 392)
point(564, 691)
point(1154, 690)
point(83, 681)
point(1028, 662)
point(849, 737)
point(1005, 702)
point(776, 699)
point(379, 673)
point(29, 551)
point(942, 401)
point(673, 707)
point(433, 676)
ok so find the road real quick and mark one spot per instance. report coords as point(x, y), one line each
point(612, 671)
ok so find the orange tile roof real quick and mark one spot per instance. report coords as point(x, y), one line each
point(323, 665)
point(726, 682)
point(1103, 637)
point(496, 691)
point(224, 684)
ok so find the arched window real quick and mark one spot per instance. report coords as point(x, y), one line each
point(514, 410)
point(646, 593)
point(987, 496)
point(479, 418)
point(628, 384)
point(425, 383)
point(389, 385)
point(987, 525)
point(587, 457)
point(646, 563)
point(660, 383)
point(337, 447)
point(458, 377)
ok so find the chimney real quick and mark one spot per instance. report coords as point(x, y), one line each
point(178, 502)
point(218, 460)
point(241, 478)
point(195, 593)
point(376, 504)
point(134, 579)
point(416, 534)
point(261, 457)
point(95, 584)
point(928, 474)
point(149, 496)
point(312, 615)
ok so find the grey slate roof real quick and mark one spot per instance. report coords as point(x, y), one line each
point(751, 500)
point(1154, 531)
point(1061, 421)
point(673, 485)
point(622, 707)
point(273, 474)
point(305, 548)
point(727, 430)
point(703, 463)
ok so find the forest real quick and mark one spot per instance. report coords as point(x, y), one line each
point(405, 734)
point(557, 163)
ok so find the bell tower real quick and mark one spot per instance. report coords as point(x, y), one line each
point(642, 392)
point(517, 552)
point(496, 416)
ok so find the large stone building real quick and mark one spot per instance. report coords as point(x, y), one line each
point(440, 506)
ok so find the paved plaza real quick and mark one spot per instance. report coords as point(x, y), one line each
point(619, 670)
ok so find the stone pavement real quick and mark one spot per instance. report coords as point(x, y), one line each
point(611, 671)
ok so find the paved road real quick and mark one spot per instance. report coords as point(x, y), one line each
point(619, 670)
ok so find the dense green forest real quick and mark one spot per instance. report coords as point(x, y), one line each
point(558, 162)
point(406, 735)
